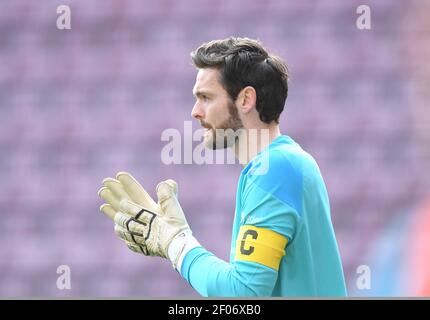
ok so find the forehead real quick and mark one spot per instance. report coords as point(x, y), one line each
point(207, 80)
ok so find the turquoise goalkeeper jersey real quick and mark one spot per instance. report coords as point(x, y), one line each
point(283, 243)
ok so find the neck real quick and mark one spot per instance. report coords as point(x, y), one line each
point(252, 141)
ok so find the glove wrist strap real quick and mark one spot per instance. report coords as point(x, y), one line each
point(180, 246)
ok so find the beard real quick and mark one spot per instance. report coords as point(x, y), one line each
point(228, 132)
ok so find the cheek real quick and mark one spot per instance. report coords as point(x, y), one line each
point(217, 112)
point(211, 113)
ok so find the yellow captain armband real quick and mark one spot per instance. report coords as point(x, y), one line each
point(260, 245)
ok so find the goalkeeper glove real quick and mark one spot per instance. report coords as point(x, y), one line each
point(154, 229)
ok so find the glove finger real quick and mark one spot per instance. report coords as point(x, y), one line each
point(136, 192)
point(116, 188)
point(173, 185)
point(167, 197)
point(136, 211)
point(131, 225)
point(108, 210)
point(128, 236)
point(108, 196)
point(136, 248)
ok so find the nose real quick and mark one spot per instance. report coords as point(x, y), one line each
point(197, 111)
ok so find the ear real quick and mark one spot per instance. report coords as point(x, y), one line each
point(247, 99)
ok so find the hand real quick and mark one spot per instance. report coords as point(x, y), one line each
point(146, 226)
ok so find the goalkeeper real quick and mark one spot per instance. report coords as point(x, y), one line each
point(283, 243)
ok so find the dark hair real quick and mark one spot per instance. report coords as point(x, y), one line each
point(245, 62)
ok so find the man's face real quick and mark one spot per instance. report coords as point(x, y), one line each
point(215, 110)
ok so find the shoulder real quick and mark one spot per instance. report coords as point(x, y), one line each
point(288, 163)
point(282, 171)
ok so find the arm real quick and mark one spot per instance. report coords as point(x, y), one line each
point(253, 272)
point(268, 225)
point(163, 231)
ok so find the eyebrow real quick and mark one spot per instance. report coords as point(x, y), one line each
point(200, 93)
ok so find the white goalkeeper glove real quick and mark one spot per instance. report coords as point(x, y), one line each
point(154, 229)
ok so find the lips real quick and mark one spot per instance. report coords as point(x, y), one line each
point(206, 126)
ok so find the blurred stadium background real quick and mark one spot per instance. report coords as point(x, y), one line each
point(79, 105)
